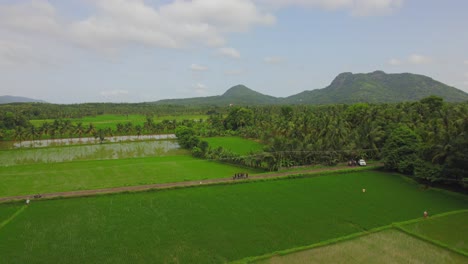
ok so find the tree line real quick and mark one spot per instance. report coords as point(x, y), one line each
point(66, 128)
point(427, 139)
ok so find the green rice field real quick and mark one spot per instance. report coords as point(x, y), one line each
point(98, 174)
point(8, 210)
point(237, 145)
point(111, 121)
point(215, 224)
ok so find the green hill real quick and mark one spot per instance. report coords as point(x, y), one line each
point(378, 87)
point(374, 87)
point(6, 99)
point(237, 95)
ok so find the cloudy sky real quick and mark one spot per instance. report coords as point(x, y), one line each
point(77, 51)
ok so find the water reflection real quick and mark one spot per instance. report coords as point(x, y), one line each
point(87, 140)
point(88, 152)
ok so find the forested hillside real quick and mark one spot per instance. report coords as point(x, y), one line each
point(346, 88)
point(378, 87)
point(238, 95)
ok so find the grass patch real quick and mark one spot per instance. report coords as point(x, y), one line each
point(100, 121)
point(111, 121)
point(388, 246)
point(97, 174)
point(213, 224)
point(450, 230)
point(237, 145)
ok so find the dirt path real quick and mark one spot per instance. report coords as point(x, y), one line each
point(165, 185)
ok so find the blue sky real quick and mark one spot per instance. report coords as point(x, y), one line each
point(140, 50)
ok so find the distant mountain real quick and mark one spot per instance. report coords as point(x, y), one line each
point(377, 87)
point(6, 99)
point(237, 95)
point(349, 88)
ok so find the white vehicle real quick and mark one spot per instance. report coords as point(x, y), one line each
point(362, 162)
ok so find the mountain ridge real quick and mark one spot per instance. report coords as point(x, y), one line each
point(7, 99)
point(346, 87)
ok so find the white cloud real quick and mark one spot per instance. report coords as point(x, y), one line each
point(273, 60)
point(200, 89)
point(229, 52)
point(465, 62)
point(112, 25)
point(394, 62)
point(36, 16)
point(196, 67)
point(375, 7)
point(172, 25)
point(356, 7)
point(419, 59)
point(30, 32)
point(115, 24)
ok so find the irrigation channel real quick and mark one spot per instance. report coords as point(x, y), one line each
point(173, 184)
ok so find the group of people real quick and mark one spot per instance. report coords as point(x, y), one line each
point(241, 175)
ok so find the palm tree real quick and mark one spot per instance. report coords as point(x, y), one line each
point(120, 128)
point(128, 128)
point(67, 127)
point(148, 125)
point(55, 128)
point(19, 134)
point(32, 133)
point(91, 130)
point(139, 130)
point(79, 130)
point(45, 129)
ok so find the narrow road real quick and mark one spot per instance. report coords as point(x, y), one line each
point(166, 185)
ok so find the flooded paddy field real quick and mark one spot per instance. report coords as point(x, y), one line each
point(65, 153)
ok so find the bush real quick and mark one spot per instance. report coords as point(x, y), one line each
point(427, 171)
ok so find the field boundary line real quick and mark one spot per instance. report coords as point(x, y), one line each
point(412, 221)
point(431, 241)
point(312, 246)
point(13, 216)
point(396, 226)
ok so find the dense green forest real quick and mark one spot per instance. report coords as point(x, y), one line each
point(427, 138)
